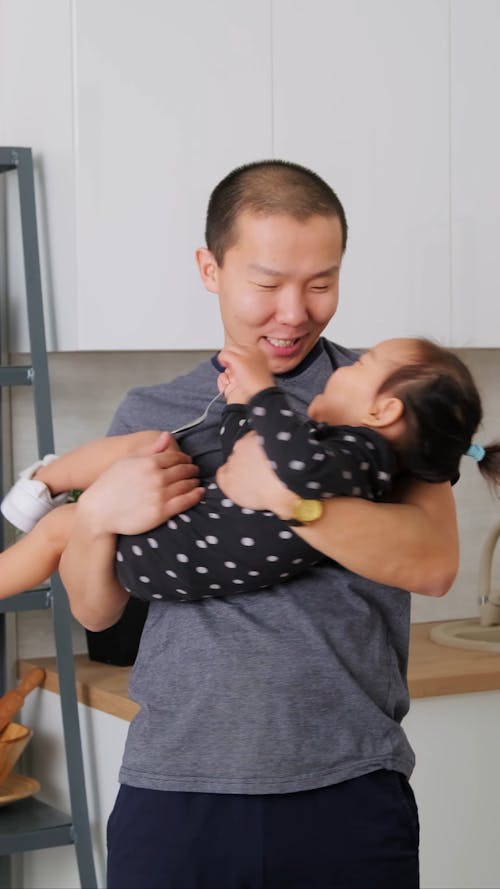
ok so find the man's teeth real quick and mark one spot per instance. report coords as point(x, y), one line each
point(281, 343)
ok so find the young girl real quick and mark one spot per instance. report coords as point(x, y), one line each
point(406, 406)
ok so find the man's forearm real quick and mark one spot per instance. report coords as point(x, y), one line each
point(96, 598)
point(412, 545)
point(131, 496)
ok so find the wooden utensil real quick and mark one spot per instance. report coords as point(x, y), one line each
point(13, 740)
point(13, 700)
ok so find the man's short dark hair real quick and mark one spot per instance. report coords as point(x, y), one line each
point(268, 187)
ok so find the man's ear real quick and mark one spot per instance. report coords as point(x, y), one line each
point(385, 411)
point(207, 267)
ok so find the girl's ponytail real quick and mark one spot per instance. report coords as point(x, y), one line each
point(488, 462)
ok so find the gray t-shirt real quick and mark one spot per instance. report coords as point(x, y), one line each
point(277, 691)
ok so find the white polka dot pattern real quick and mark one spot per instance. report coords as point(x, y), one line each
point(183, 560)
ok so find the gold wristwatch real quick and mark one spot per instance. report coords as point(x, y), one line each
point(306, 511)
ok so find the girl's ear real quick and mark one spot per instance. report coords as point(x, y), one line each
point(207, 267)
point(386, 410)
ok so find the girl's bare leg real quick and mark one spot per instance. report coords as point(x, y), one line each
point(34, 557)
point(83, 465)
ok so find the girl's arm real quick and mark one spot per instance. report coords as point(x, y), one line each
point(320, 461)
point(81, 466)
point(311, 459)
point(412, 544)
point(246, 372)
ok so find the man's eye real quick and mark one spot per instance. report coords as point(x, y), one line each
point(266, 286)
point(319, 288)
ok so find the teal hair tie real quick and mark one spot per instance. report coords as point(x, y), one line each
point(476, 451)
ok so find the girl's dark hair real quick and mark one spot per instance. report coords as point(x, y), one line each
point(442, 411)
point(268, 187)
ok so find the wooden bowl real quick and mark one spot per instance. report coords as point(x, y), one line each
point(13, 740)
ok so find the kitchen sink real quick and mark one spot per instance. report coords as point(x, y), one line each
point(467, 634)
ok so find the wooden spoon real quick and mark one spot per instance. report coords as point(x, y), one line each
point(13, 700)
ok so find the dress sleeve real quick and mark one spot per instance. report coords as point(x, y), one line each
point(234, 424)
point(319, 461)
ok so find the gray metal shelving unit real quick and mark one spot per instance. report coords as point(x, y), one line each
point(30, 823)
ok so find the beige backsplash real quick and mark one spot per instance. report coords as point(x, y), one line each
point(87, 387)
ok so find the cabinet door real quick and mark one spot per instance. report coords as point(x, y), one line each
point(475, 171)
point(36, 112)
point(169, 97)
point(361, 95)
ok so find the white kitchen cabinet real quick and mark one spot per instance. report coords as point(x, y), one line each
point(475, 171)
point(168, 98)
point(134, 110)
point(361, 95)
point(36, 111)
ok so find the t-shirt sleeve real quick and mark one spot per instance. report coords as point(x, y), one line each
point(121, 421)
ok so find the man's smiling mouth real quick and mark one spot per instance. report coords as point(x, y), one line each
point(281, 343)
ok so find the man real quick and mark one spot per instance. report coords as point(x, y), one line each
point(268, 750)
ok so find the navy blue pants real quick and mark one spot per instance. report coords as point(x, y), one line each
point(360, 833)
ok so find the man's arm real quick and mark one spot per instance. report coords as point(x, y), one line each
point(412, 544)
point(132, 496)
point(96, 598)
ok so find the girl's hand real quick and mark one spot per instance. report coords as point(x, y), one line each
point(247, 369)
point(228, 387)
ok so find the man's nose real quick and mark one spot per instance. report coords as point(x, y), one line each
point(291, 307)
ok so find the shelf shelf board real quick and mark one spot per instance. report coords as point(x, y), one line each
point(32, 824)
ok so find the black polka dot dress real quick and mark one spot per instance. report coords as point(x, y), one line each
point(220, 549)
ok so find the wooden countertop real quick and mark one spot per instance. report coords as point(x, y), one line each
point(98, 685)
point(433, 670)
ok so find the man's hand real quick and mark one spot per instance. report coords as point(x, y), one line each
point(142, 491)
point(134, 495)
point(248, 479)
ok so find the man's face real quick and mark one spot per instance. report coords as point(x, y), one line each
point(278, 285)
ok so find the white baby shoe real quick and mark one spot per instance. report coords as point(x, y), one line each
point(30, 499)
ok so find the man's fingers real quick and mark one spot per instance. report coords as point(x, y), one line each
point(184, 471)
point(171, 457)
point(183, 499)
point(163, 441)
point(183, 486)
